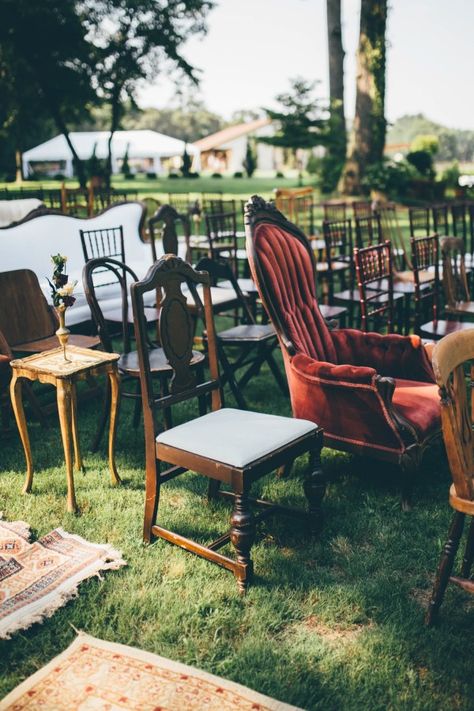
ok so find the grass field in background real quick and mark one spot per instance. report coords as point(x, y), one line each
point(334, 624)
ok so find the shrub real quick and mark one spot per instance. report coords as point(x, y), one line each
point(388, 177)
point(151, 175)
point(186, 162)
point(238, 174)
point(250, 160)
point(216, 175)
point(451, 175)
point(193, 175)
point(279, 174)
point(173, 176)
point(60, 176)
point(422, 161)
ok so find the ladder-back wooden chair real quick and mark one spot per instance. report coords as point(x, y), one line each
point(226, 445)
point(368, 231)
point(455, 282)
point(335, 211)
point(375, 281)
point(453, 360)
point(128, 364)
point(440, 219)
point(425, 258)
point(105, 242)
point(419, 220)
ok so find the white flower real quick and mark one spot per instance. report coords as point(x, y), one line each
point(67, 289)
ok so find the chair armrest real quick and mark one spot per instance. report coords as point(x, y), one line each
point(392, 355)
point(353, 404)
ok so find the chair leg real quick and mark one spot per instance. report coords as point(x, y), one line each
point(315, 489)
point(272, 364)
point(213, 489)
point(445, 567)
point(229, 377)
point(103, 420)
point(468, 552)
point(152, 496)
point(242, 536)
point(137, 409)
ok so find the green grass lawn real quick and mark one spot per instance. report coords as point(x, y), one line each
point(160, 187)
point(329, 624)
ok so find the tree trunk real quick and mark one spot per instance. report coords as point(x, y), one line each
point(336, 148)
point(114, 124)
point(18, 167)
point(368, 132)
point(62, 128)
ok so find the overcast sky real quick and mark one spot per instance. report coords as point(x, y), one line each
point(254, 47)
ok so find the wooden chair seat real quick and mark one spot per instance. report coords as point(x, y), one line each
point(352, 295)
point(463, 308)
point(46, 344)
point(234, 438)
point(128, 362)
point(247, 332)
point(439, 329)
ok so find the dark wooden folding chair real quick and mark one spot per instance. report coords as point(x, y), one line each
point(440, 219)
point(226, 445)
point(105, 242)
point(420, 223)
point(368, 231)
point(425, 258)
point(361, 208)
point(128, 364)
point(335, 211)
point(453, 359)
point(375, 280)
point(255, 342)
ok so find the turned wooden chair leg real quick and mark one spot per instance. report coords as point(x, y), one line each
point(103, 420)
point(315, 489)
point(242, 536)
point(445, 566)
point(468, 557)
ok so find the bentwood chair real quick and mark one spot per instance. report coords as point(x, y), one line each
point(228, 446)
point(425, 258)
point(254, 342)
point(373, 394)
point(453, 358)
point(128, 364)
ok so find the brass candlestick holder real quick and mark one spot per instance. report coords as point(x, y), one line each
point(63, 333)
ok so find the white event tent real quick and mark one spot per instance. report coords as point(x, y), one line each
point(147, 151)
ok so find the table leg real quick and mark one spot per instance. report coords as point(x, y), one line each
point(17, 404)
point(64, 397)
point(114, 408)
point(78, 463)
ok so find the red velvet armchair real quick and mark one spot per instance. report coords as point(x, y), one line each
point(372, 394)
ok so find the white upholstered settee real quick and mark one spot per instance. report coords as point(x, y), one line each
point(30, 243)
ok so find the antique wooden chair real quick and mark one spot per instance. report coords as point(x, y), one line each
point(455, 282)
point(166, 221)
point(374, 269)
point(372, 394)
point(255, 342)
point(221, 230)
point(335, 211)
point(419, 219)
point(362, 208)
point(440, 219)
point(452, 356)
point(228, 446)
point(105, 242)
point(368, 231)
point(5, 374)
point(128, 364)
point(458, 217)
point(425, 258)
point(29, 325)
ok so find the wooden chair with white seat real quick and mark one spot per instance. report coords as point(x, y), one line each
point(226, 445)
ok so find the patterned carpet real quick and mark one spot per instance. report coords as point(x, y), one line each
point(38, 578)
point(94, 675)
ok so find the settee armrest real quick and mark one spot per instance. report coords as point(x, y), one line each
point(392, 355)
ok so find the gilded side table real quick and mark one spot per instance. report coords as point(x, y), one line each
point(50, 367)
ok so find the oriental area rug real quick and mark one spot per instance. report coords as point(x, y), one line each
point(38, 578)
point(92, 674)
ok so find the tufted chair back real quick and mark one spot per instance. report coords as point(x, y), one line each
point(283, 264)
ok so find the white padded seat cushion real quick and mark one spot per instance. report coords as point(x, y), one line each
point(235, 437)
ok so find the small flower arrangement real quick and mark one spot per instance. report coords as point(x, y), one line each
point(61, 288)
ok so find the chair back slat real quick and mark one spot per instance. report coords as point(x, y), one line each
point(167, 221)
point(440, 219)
point(453, 358)
point(104, 242)
point(425, 259)
point(362, 208)
point(391, 231)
